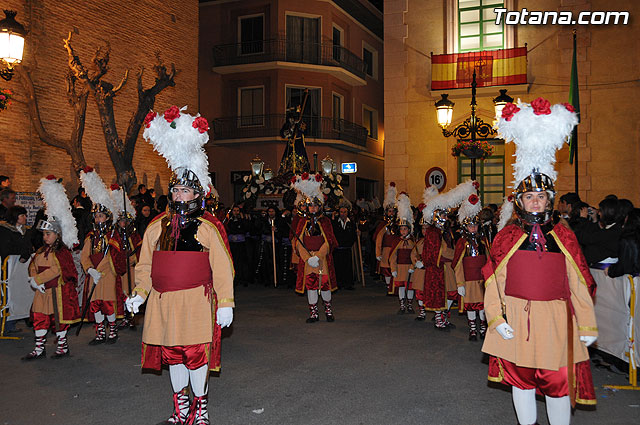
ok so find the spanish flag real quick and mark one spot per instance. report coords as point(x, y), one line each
point(493, 68)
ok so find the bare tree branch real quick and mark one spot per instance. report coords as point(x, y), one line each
point(122, 82)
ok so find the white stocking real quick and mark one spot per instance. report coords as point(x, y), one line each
point(111, 318)
point(410, 294)
point(99, 317)
point(402, 291)
point(483, 317)
point(326, 296)
point(40, 332)
point(199, 378)
point(312, 296)
point(420, 302)
point(387, 279)
point(558, 410)
point(179, 376)
point(449, 304)
point(471, 315)
point(61, 334)
point(525, 403)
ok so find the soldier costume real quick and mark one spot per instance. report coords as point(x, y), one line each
point(53, 275)
point(385, 237)
point(400, 258)
point(185, 272)
point(538, 285)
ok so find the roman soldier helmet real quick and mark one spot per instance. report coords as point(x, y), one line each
point(180, 139)
point(405, 213)
point(439, 206)
point(538, 130)
point(308, 187)
point(428, 194)
point(59, 218)
point(99, 195)
point(469, 210)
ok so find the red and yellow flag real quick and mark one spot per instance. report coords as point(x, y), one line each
point(493, 68)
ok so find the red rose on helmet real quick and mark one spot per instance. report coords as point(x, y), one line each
point(51, 177)
point(510, 198)
point(87, 169)
point(392, 184)
point(421, 205)
point(476, 184)
point(473, 199)
point(293, 180)
point(115, 186)
point(569, 107)
point(541, 106)
point(201, 124)
point(509, 110)
point(147, 120)
point(318, 177)
point(305, 176)
point(171, 113)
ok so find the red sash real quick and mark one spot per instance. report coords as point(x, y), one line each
point(404, 256)
point(96, 259)
point(53, 282)
point(177, 270)
point(387, 240)
point(537, 278)
point(313, 243)
point(473, 267)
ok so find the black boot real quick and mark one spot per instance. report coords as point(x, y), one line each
point(313, 313)
point(422, 315)
point(483, 328)
point(328, 312)
point(403, 307)
point(473, 334)
point(39, 352)
point(101, 334)
point(63, 348)
point(410, 309)
point(113, 333)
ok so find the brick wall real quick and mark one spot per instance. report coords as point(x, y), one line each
point(136, 31)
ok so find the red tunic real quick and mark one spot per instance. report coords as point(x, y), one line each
point(435, 294)
point(330, 239)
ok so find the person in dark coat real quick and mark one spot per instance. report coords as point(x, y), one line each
point(628, 247)
point(345, 231)
point(600, 240)
point(264, 268)
point(237, 228)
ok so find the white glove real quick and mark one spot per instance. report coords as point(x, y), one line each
point(312, 261)
point(35, 285)
point(224, 316)
point(411, 270)
point(462, 291)
point(379, 258)
point(588, 340)
point(133, 304)
point(505, 331)
point(95, 274)
point(394, 274)
point(419, 265)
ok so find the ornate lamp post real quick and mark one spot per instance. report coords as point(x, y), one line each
point(473, 127)
point(268, 174)
point(327, 165)
point(12, 35)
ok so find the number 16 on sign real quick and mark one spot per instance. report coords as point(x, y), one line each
point(435, 177)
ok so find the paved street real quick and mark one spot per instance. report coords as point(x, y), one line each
point(369, 367)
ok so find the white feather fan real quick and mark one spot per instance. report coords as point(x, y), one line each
point(116, 196)
point(450, 199)
point(96, 190)
point(506, 211)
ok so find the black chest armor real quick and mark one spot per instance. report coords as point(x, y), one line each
point(550, 245)
point(187, 240)
point(474, 246)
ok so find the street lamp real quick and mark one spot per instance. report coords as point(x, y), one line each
point(268, 174)
point(473, 127)
point(256, 166)
point(327, 165)
point(12, 35)
point(501, 101)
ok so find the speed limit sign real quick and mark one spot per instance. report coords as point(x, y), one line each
point(435, 177)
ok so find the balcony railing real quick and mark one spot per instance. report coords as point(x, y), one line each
point(288, 51)
point(259, 126)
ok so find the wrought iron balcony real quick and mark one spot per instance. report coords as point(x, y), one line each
point(283, 50)
point(266, 126)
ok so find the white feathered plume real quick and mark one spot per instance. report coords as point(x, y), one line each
point(470, 207)
point(180, 139)
point(538, 130)
point(405, 214)
point(429, 193)
point(57, 208)
point(391, 196)
point(116, 197)
point(506, 211)
point(96, 190)
point(450, 199)
point(308, 187)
